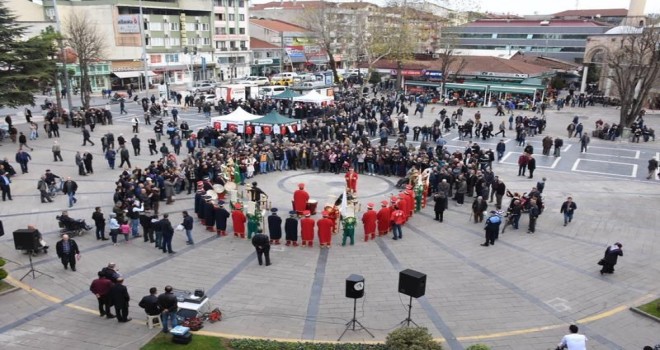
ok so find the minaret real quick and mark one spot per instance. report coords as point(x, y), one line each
point(635, 16)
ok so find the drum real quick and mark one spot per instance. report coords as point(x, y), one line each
point(311, 206)
point(230, 186)
point(219, 190)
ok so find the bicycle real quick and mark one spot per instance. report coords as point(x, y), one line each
point(54, 188)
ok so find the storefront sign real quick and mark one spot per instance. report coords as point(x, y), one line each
point(433, 74)
point(128, 24)
point(408, 72)
point(263, 61)
point(295, 51)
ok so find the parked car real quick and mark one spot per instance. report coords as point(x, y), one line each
point(285, 78)
point(203, 87)
point(260, 81)
point(268, 91)
point(210, 98)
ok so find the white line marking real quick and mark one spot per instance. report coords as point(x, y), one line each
point(566, 148)
point(554, 164)
point(505, 157)
point(637, 153)
point(577, 162)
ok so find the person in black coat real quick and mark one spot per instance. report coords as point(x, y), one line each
point(261, 244)
point(209, 213)
point(492, 228)
point(221, 216)
point(168, 234)
point(531, 165)
point(67, 249)
point(291, 229)
point(150, 303)
point(120, 298)
point(275, 227)
point(612, 253)
point(440, 199)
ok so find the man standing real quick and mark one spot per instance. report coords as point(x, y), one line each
point(100, 287)
point(135, 141)
point(307, 229)
point(479, 207)
point(122, 106)
point(351, 180)
point(440, 199)
point(653, 167)
point(238, 220)
point(188, 226)
point(275, 227)
point(612, 253)
point(567, 208)
point(221, 216)
point(135, 121)
point(348, 224)
point(584, 141)
point(300, 198)
point(134, 215)
point(168, 234)
point(369, 219)
point(492, 228)
point(573, 341)
point(500, 149)
point(69, 188)
point(559, 143)
point(531, 165)
point(533, 215)
point(522, 164)
point(80, 164)
point(67, 251)
point(99, 221)
point(262, 246)
point(23, 158)
point(150, 303)
point(5, 187)
point(325, 227)
point(291, 229)
point(168, 304)
point(57, 152)
point(42, 186)
point(120, 298)
point(110, 156)
point(383, 216)
point(397, 218)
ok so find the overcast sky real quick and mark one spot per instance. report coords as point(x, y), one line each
point(530, 7)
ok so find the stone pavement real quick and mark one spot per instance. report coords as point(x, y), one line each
point(519, 294)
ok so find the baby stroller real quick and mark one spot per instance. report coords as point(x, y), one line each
point(72, 226)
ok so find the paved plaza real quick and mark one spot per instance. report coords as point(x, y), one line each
point(521, 293)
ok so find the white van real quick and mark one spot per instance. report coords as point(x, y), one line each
point(268, 91)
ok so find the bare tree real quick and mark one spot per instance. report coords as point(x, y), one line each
point(326, 28)
point(634, 68)
point(85, 39)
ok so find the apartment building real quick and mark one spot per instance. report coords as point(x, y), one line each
point(231, 39)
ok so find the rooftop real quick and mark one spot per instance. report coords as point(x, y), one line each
point(260, 44)
point(277, 25)
point(534, 23)
point(298, 5)
point(548, 62)
point(593, 13)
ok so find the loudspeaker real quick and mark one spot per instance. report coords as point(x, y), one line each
point(355, 286)
point(412, 283)
point(26, 239)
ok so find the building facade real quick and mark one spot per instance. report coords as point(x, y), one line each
point(299, 44)
point(561, 39)
point(231, 38)
point(266, 57)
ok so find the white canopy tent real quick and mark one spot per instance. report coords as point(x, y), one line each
point(313, 97)
point(239, 116)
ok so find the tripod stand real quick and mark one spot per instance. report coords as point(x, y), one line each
point(32, 270)
point(408, 320)
point(353, 322)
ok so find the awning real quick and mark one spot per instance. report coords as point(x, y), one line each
point(133, 74)
point(514, 89)
point(477, 87)
point(422, 83)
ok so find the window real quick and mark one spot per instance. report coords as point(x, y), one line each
point(172, 58)
point(206, 41)
point(232, 31)
point(232, 44)
point(241, 30)
point(219, 16)
point(155, 26)
point(157, 42)
point(155, 58)
point(172, 42)
point(230, 3)
point(241, 17)
point(512, 36)
point(223, 60)
point(231, 17)
point(257, 54)
point(221, 45)
point(205, 27)
point(174, 26)
point(220, 31)
point(241, 3)
point(192, 41)
point(243, 44)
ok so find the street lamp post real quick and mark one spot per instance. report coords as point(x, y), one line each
point(144, 50)
point(63, 54)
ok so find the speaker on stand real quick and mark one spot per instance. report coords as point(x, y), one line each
point(413, 284)
point(354, 290)
point(28, 239)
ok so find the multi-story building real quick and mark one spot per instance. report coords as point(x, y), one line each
point(266, 57)
point(231, 38)
point(302, 50)
point(561, 39)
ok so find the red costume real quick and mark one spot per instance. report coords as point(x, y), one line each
point(325, 227)
point(404, 204)
point(307, 229)
point(369, 219)
point(351, 180)
point(398, 217)
point(383, 217)
point(238, 220)
point(333, 214)
point(300, 198)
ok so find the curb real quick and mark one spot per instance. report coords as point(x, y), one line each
point(10, 290)
point(644, 313)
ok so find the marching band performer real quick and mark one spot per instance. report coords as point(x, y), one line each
point(238, 220)
point(253, 221)
point(255, 193)
point(275, 227)
point(383, 217)
point(300, 198)
point(209, 213)
point(291, 229)
point(325, 227)
point(221, 216)
point(348, 223)
point(307, 229)
point(351, 180)
point(369, 220)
